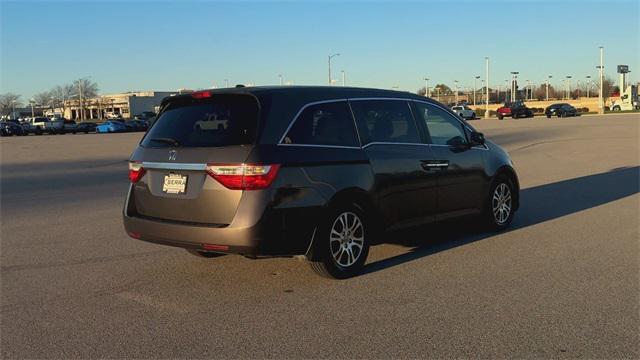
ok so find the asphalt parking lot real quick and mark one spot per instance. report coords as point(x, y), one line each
point(562, 282)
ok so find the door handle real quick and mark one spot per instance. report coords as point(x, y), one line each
point(434, 164)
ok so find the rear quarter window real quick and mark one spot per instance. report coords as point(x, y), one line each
point(323, 124)
point(222, 120)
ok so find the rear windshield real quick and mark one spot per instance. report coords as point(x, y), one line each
point(218, 121)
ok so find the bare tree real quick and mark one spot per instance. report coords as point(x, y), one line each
point(541, 92)
point(443, 89)
point(43, 98)
point(8, 102)
point(61, 94)
point(87, 89)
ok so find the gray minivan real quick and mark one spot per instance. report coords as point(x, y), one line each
point(313, 171)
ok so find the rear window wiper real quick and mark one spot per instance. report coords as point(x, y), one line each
point(165, 140)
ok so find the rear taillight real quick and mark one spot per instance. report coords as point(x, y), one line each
point(243, 176)
point(136, 171)
point(201, 94)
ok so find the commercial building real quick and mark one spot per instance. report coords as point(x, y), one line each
point(101, 107)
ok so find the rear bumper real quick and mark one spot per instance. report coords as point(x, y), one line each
point(244, 241)
point(272, 232)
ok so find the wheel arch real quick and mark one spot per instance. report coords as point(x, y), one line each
point(510, 173)
point(363, 200)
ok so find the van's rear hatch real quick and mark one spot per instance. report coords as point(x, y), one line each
point(190, 132)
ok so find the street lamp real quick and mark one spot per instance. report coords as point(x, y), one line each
point(32, 101)
point(514, 76)
point(456, 97)
point(344, 78)
point(588, 84)
point(280, 77)
point(329, 61)
point(568, 87)
point(486, 101)
point(426, 87)
point(548, 78)
point(482, 87)
point(226, 83)
point(506, 92)
point(474, 88)
point(600, 95)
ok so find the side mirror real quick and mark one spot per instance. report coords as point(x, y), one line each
point(477, 138)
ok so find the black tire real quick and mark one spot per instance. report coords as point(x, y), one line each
point(204, 254)
point(498, 221)
point(616, 108)
point(500, 117)
point(548, 116)
point(86, 132)
point(514, 116)
point(344, 244)
point(563, 114)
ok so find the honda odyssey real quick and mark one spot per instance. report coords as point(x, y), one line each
point(313, 171)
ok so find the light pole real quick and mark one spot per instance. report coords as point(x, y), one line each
point(474, 88)
point(506, 92)
point(528, 89)
point(588, 84)
point(32, 102)
point(226, 83)
point(482, 87)
point(456, 95)
point(514, 76)
point(13, 109)
point(600, 95)
point(280, 78)
point(329, 62)
point(426, 87)
point(568, 87)
point(548, 78)
point(486, 100)
point(344, 78)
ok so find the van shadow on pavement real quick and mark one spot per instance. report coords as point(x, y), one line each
point(537, 204)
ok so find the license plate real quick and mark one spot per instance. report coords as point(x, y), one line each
point(174, 184)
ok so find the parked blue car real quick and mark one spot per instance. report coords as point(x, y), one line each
point(111, 127)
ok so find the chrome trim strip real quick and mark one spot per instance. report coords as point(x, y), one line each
point(378, 98)
point(173, 166)
point(295, 118)
point(322, 146)
point(436, 164)
point(393, 143)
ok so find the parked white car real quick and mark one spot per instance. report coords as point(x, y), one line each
point(464, 112)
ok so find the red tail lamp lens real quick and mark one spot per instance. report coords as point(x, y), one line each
point(244, 176)
point(214, 247)
point(136, 171)
point(201, 94)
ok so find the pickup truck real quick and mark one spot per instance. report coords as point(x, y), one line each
point(515, 110)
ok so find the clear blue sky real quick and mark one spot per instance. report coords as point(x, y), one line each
point(168, 45)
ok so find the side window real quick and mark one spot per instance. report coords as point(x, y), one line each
point(323, 124)
point(385, 121)
point(443, 128)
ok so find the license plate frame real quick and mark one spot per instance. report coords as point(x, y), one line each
point(175, 184)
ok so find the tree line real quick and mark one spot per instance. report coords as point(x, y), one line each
point(539, 92)
point(57, 97)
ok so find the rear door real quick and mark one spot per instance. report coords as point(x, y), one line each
point(190, 133)
point(405, 186)
point(460, 168)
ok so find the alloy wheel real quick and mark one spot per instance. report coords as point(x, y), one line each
point(346, 239)
point(501, 203)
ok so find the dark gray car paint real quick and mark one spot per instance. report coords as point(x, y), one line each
point(282, 219)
